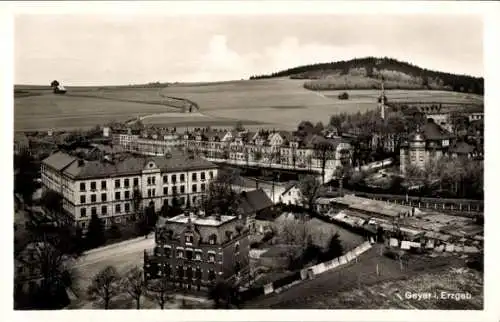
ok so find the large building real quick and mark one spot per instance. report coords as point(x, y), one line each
point(107, 187)
point(197, 250)
point(427, 143)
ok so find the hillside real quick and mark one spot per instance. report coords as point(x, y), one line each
point(365, 73)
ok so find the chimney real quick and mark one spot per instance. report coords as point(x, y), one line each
point(80, 162)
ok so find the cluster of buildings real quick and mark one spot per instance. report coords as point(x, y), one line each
point(263, 148)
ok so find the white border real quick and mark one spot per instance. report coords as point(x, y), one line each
point(492, 68)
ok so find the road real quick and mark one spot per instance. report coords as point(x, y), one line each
point(122, 255)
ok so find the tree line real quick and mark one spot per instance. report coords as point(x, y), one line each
point(458, 83)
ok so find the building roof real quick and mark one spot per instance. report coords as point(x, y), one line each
point(257, 199)
point(432, 131)
point(124, 165)
point(59, 160)
point(289, 186)
point(201, 221)
point(373, 206)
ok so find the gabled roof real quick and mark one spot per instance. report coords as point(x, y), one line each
point(432, 131)
point(257, 199)
point(127, 164)
point(289, 186)
point(59, 160)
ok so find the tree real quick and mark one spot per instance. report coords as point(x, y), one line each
point(324, 151)
point(159, 291)
point(225, 295)
point(133, 284)
point(309, 188)
point(105, 285)
point(50, 263)
point(24, 180)
point(95, 236)
point(335, 248)
point(137, 201)
point(221, 197)
point(52, 201)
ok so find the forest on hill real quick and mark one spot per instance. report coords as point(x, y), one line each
point(366, 73)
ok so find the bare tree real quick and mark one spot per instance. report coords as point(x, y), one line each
point(294, 232)
point(309, 188)
point(134, 285)
point(323, 151)
point(221, 197)
point(159, 291)
point(105, 285)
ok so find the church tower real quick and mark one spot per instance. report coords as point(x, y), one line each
point(382, 100)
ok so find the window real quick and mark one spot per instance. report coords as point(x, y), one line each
point(149, 193)
point(174, 178)
point(210, 174)
point(194, 176)
point(117, 195)
point(182, 178)
point(127, 194)
point(165, 179)
point(93, 186)
point(117, 183)
point(165, 190)
point(197, 255)
point(82, 186)
point(183, 201)
point(136, 182)
point(237, 248)
point(118, 209)
point(189, 254)
point(93, 211)
point(104, 210)
point(180, 254)
point(127, 207)
point(83, 224)
point(149, 181)
point(194, 200)
point(203, 187)
point(103, 185)
point(203, 176)
point(83, 212)
point(153, 180)
point(189, 238)
point(193, 188)
point(82, 199)
point(212, 239)
point(126, 183)
point(154, 192)
point(182, 189)
point(180, 272)
point(174, 190)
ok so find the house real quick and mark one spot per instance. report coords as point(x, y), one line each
point(197, 250)
point(254, 203)
point(291, 195)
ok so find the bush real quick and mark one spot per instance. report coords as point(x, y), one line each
point(114, 232)
point(343, 96)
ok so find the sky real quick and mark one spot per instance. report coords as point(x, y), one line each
point(127, 49)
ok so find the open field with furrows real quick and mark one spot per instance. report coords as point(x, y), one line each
point(270, 103)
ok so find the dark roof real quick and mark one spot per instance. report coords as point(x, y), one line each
point(58, 160)
point(267, 215)
point(124, 165)
point(257, 199)
point(462, 148)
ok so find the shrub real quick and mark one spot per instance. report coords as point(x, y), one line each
point(343, 96)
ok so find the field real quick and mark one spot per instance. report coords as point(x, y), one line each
point(271, 103)
point(357, 285)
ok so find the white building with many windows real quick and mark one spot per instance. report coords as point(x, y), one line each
point(106, 187)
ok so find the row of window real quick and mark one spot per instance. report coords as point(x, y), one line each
point(150, 192)
point(150, 181)
point(187, 272)
point(93, 184)
point(104, 210)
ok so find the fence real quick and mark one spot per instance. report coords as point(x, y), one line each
point(310, 272)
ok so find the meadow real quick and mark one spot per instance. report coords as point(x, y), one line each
point(270, 103)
